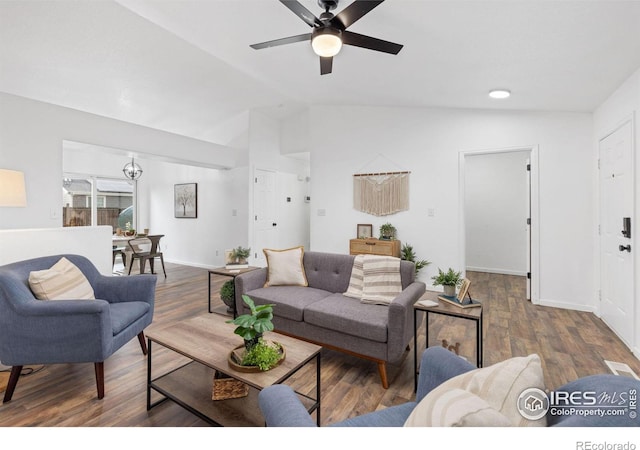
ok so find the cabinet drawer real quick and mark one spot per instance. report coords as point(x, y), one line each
point(374, 247)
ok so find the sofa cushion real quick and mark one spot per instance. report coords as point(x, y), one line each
point(290, 301)
point(499, 385)
point(328, 271)
point(284, 267)
point(349, 316)
point(63, 281)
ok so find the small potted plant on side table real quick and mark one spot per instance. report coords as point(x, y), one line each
point(387, 231)
point(449, 281)
point(240, 255)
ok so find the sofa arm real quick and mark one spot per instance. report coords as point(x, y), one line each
point(247, 282)
point(281, 407)
point(400, 321)
point(437, 365)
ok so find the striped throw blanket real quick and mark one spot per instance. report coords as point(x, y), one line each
point(375, 279)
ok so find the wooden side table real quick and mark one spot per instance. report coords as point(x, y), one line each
point(473, 314)
point(233, 273)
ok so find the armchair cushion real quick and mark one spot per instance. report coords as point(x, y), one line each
point(63, 281)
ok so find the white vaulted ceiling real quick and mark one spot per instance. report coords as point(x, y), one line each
point(186, 66)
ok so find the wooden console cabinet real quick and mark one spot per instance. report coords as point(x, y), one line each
point(374, 246)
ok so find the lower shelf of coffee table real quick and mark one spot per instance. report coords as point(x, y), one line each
point(191, 386)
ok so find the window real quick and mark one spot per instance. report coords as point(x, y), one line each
point(114, 202)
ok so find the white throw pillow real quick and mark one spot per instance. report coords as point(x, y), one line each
point(63, 281)
point(285, 268)
point(498, 386)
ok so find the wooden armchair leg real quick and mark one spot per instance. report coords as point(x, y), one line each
point(13, 380)
point(99, 366)
point(382, 370)
point(143, 342)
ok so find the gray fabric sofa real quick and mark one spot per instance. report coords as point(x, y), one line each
point(281, 406)
point(319, 312)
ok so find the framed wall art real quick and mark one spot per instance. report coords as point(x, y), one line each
point(365, 231)
point(185, 200)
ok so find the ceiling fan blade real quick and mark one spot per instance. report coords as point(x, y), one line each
point(360, 40)
point(354, 12)
point(283, 41)
point(302, 12)
point(326, 64)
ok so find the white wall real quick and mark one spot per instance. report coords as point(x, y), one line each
point(222, 212)
point(346, 140)
point(92, 242)
point(31, 135)
point(496, 208)
point(622, 105)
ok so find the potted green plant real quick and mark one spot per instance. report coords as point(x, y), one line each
point(387, 231)
point(408, 254)
point(240, 254)
point(251, 326)
point(258, 353)
point(228, 294)
point(449, 280)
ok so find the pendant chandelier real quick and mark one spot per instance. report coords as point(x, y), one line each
point(132, 170)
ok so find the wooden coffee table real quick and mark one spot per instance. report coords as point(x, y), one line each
point(206, 341)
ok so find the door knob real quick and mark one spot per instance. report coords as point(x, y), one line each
point(622, 248)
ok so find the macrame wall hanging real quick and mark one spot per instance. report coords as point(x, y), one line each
point(381, 194)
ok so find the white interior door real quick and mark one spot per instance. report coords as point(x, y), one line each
point(528, 229)
point(264, 209)
point(616, 249)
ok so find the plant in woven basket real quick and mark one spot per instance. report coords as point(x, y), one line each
point(251, 326)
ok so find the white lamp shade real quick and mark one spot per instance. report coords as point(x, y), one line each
point(12, 189)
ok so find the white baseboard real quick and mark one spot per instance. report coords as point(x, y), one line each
point(498, 271)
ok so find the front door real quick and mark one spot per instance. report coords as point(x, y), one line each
point(616, 244)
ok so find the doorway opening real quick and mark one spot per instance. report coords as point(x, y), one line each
point(499, 214)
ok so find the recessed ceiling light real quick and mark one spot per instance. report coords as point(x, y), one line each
point(499, 93)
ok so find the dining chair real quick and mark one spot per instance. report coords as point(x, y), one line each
point(119, 251)
point(146, 249)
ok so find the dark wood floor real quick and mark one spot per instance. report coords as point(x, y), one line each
point(571, 344)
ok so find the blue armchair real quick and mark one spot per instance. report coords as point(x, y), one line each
point(281, 408)
point(70, 331)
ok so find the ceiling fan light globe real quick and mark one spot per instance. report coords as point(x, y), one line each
point(326, 44)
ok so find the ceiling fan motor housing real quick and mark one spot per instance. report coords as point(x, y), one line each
point(328, 5)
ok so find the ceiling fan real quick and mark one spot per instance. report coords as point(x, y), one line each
point(330, 32)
